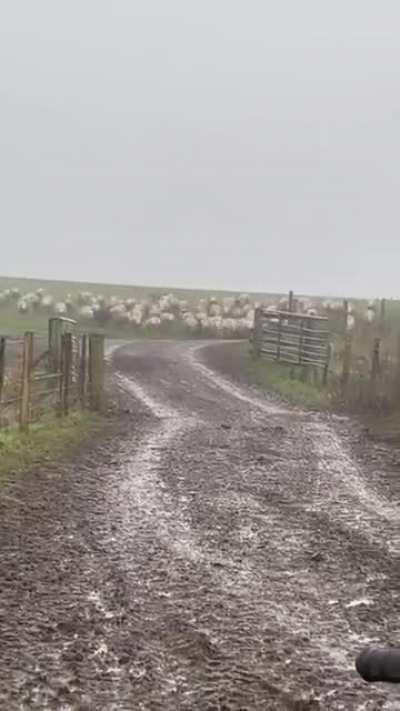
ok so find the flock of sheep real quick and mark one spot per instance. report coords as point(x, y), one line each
point(230, 316)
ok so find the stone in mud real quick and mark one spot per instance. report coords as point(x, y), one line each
point(379, 665)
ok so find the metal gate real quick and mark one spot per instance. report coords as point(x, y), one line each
point(292, 338)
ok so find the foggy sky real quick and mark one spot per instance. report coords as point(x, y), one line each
point(249, 144)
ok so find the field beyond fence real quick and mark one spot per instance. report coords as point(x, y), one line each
point(53, 372)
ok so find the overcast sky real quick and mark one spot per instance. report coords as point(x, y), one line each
point(250, 144)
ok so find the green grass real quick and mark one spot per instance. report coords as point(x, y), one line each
point(278, 378)
point(47, 440)
point(14, 324)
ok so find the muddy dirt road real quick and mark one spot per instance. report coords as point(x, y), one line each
point(220, 551)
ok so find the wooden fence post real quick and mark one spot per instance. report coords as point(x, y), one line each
point(326, 367)
point(96, 371)
point(82, 370)
point(2, 363)
point(397, 373)
point(55, 331)
point(257, 333)
point(291, 301)
point(375, 370)
point(278, 345)
point(382, 317)
point(66, 371)
point(345, 313)
point(346, 365)
point(25, 405)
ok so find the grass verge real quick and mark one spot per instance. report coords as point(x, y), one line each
point(47, 440)
point(280, 379)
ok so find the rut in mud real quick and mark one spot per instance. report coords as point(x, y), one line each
point(221, 551)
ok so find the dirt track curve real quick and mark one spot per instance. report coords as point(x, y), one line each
point(219, 551)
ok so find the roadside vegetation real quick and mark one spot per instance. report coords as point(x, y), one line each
point(50, 439)
point(284, 380)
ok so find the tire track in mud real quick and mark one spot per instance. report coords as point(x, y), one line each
point(334, 464)
point(284, 616)
point(142, 487)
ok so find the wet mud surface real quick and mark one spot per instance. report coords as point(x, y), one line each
point(217, 550)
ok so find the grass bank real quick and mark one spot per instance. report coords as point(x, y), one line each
point(236, 361)
point(47, 440)
point(283, 380)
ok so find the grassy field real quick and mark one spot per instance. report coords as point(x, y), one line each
point(60, 289)
point(12, 323)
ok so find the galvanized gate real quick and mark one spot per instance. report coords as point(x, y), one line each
point(292, 338)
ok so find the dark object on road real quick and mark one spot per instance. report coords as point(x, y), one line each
point(376, 664)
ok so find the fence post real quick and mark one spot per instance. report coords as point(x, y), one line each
point(375, 370)
point(55, 331)
point(382, 317)
point(96, 371)
point(2, 363)
point(82, 371)
point(327, 362)
point(291, 301)
point(278, 343)
point(345, 313)
point(346, 365)
point(26, 381)
point(397, 374)
point(66, 371)
point(257, 330)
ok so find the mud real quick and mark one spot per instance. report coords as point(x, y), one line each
point(217, 550)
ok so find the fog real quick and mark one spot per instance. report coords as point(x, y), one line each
point(221, 144)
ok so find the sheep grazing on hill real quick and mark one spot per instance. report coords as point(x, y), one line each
point(222, 317)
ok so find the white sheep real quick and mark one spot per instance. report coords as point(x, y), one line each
point(22, 306)
point(47, 302)
point(215, 309)
point(60, 309)
point(190, 321)
point(119, 313)
point(166, 302)
point(86, 312)
point(135, 317)
point(243, 299)
point(155, 310)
